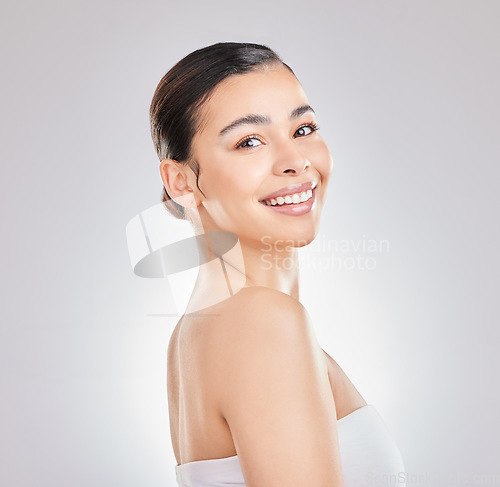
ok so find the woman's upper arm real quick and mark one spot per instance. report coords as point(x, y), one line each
point(276, 397)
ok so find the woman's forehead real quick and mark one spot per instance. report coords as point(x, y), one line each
point(272, 93)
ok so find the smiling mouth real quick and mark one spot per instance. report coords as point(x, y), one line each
point(295, 204)
point(291, 195)
point(289, 199)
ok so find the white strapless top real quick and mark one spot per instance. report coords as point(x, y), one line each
point(369, 456)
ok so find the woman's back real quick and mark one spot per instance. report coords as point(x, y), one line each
point(205, 350)
point(197, 429)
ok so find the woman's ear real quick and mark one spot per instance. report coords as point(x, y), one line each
point(176, 183)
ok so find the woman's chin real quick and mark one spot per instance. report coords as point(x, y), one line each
point(284, 240)
point(301, 234)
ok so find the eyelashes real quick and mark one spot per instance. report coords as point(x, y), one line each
point(252, 139)
point(312, 125)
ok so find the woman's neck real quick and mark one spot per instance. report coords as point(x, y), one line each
point(224, 272)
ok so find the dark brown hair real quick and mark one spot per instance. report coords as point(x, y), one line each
point(182, 91)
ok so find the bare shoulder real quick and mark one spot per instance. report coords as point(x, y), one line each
point(254, 302)
point(258, 316)
point(274, 393)
point(263, 293)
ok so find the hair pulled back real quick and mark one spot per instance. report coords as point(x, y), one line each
point(182, 91)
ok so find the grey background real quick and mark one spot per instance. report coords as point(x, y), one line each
point(406, 93)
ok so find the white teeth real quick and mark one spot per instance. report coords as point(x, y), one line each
point(290, 198)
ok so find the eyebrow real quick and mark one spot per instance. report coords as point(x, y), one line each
point(256, 119)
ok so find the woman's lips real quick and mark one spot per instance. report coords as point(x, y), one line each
point(294, 209)
point(292, 189)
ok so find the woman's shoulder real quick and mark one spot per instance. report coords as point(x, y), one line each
point(251, 318)
point(259, 305)
point(252, 296)
point(256, 318)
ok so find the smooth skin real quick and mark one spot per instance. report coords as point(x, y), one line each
point(247, 376)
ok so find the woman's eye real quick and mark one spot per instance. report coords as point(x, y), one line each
point(248, 143)
point(305, 130)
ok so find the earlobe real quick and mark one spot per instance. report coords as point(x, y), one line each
point(176, 183)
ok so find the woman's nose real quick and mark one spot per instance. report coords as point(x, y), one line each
point(289, 159)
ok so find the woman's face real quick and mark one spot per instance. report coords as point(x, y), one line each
point(258, 138)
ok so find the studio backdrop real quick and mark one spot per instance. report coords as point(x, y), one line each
point(401, 282)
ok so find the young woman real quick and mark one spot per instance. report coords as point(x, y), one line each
point(253, 399)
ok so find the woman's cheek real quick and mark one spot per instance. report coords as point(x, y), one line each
point(322, 159)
